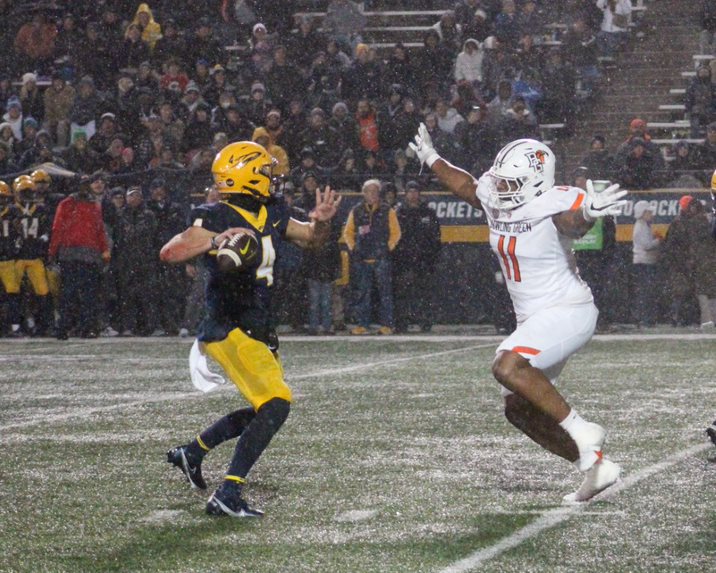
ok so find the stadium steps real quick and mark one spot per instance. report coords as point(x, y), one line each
point(387, 22)
point(641, 81)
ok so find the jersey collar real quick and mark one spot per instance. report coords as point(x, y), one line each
point(256, 221)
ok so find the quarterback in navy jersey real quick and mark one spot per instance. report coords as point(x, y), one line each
point(237, 330)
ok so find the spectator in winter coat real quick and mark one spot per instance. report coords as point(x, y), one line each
point(700, 101)
point(579, 48)
point(449, 30)
point(170, 45)
point(198, 131)
point(320, 267)
point(86, 108)
point(151, 31)
point(388, 119)
point(399, 69)
point(321, 138)
point(365, 76)
point(79, 243)
point(478, 141)
point(646, 244)
point(282, 167)
point(13, 117)
point(707, 37)
point(598, 161)
point(518, 122)
point(134, 50)
point(171, 279)
point(615, 25)
point(79, 157)
point(31, 98)
point(414, 261)
point(703, 249)
point(638, 130)
point(432, 66)
point(468, 64)
point(683, 169)
point(447, 116)
point(678, 262)
point(506, 27)
point(477, 26)
point(344, 22)
point(371, 232)
point(98, 63)
point(58, 98)
point(135, 261)
point(35, 43)
point(640, 168)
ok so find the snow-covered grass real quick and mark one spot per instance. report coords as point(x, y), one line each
point(396, 458)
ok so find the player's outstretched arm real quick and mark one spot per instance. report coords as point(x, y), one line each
point(459, 181)
point(195, 241)
point(596, 205)
point(315, 233)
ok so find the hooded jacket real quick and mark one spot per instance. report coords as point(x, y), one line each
point(153, 30)
point(468, 67)
point(282, 166)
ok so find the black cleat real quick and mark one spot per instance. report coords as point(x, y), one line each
point(220, 504)
point(192, 472)
point(711, 432)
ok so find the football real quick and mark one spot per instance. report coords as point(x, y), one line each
point(237, 253)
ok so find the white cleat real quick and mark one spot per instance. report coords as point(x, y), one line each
point(599, 477)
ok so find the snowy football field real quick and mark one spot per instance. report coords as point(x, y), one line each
point(396, 458)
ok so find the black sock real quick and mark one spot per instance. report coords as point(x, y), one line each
point(225, 428)
point(257, 435)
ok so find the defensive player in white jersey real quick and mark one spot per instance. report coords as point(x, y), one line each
point(532, 224)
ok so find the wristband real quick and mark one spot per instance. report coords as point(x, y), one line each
point(432, 158)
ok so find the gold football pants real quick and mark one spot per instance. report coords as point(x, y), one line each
point(35, 270)
point(9, 277)
point(251, 366)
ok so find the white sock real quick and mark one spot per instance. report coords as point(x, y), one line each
point(581, 432)
point(15, 327)
point(572, 423)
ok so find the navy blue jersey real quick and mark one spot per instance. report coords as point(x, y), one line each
point(35, 226)
point(9, 233)
point(243, 298)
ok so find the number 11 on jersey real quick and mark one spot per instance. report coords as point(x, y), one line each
point(509, 259)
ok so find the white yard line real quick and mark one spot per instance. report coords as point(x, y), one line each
point(556, 516)
point(165, 397)
point(390, 361)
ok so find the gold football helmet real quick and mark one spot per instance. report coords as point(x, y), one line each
point(41, 176)
point(23, 183)
point(5, 192)
point(244, 167)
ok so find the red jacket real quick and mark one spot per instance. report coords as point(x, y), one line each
point(78, 224)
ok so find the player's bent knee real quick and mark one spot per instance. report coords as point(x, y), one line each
point(275, 411)
point(507, 365)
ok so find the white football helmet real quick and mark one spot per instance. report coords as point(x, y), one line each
point(527, 168)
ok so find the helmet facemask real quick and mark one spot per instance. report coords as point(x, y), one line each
point(523, 170)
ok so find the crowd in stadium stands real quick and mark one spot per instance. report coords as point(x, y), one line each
point(125, 93)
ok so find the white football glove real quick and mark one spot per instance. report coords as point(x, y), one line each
point(423, 147)
point(608, 202)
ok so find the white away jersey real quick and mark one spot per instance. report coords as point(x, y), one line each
point(537, 262)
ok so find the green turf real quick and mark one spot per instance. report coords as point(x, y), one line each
point(396, 458)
